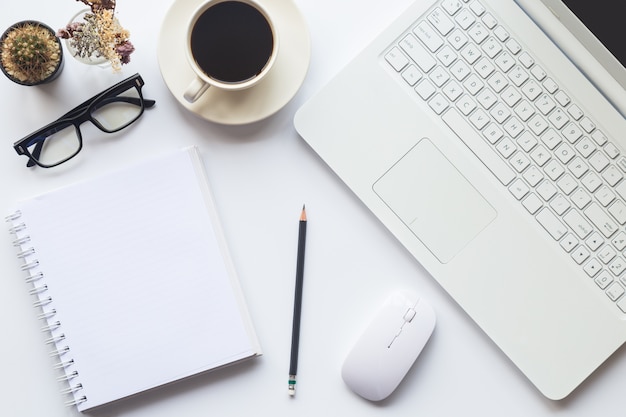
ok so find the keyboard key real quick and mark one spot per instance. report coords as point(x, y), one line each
point(575, 112)
point(532, 90)
point(428, 36)
point(478, 33)
point(601, 220)
point(532, 203)
point(518, 76)
point(551, 138)
point(440, 21)
point(486, 98)
point(439, 76)
point(611, 150)
point(452, 90)
point(519, 189)
point(538, 124)
point(425, 89)
point(498, 82)
point(505, 61)
point(607, 254)
point(560, 204)
point(545, 104)
point(580, 198)
point(513, 46)
point(473, 84)
point(591, 181)
point(417, 53)
point(605, 195)
point(506, 148)
point(460, 70)
point(524, 110)
point(594, 241)
point(526, 60)
point(501, 33)
point(578, 167)
point(558, 118)
point(562, 98)
point(619, 241)
point(564, 153)
point(471, 53)
point(569, 242)
point(466, 105)
point(511, 96)
point(618, 211)
point(621, 303)
point(550, 85)
point(599, 137)
point(554, 170)
point(533, 176)
point(567, 184)
point(538, 73)
point(438, 103)
point(447, 56)
point(396, 59)
point(411, 75)
point(614, 291)
point(587, 124)
point(492, 47)
point(500, 113)
point(604, 279)
point(465, 19)
point(551, 223)
point(592, 267)
point(490, 21)
point(540, 155)
point(572, 133)
point(617, 266)
point(586, 147)
point(546, 190)
point(513, 127)
point(527, 141)
point(477, 8)
point(479, 119)
point(580, 254)
point(577, 222)
point(451, 6)
point(457, 39)
point(612, 175)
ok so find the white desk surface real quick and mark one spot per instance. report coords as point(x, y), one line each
point(262, 174)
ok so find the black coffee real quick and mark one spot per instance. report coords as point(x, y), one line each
point(232, 41)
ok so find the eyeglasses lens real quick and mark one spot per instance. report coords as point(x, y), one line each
point(115, 113)
point(55, 146)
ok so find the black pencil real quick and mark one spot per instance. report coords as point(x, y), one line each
point(297, 304)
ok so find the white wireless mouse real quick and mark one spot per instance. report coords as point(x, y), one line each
point(388, 347)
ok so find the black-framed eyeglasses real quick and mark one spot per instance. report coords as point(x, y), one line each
point(110, 111)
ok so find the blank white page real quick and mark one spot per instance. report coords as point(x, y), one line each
point(140, 278)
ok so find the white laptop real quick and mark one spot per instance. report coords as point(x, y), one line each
point(500, 165)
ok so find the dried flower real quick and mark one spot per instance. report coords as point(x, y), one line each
point(30, 52)
point(100, 35)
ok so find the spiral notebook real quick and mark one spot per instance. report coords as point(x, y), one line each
point(133, 279)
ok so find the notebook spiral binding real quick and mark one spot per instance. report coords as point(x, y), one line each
point(44, 302)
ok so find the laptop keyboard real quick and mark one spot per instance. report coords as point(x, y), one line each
point(512, 113)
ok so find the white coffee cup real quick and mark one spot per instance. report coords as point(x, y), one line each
point(231, 45)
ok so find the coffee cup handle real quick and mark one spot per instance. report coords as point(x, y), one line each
point(196, 88)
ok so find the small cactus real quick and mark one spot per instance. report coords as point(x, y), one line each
point(30, 52)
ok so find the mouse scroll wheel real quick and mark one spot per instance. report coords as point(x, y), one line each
point(409, 315)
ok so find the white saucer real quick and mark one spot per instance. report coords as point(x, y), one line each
point(252, 104)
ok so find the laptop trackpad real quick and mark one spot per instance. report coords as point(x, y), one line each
point(434, 200)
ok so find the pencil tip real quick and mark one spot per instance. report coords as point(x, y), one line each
point(303, 214)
